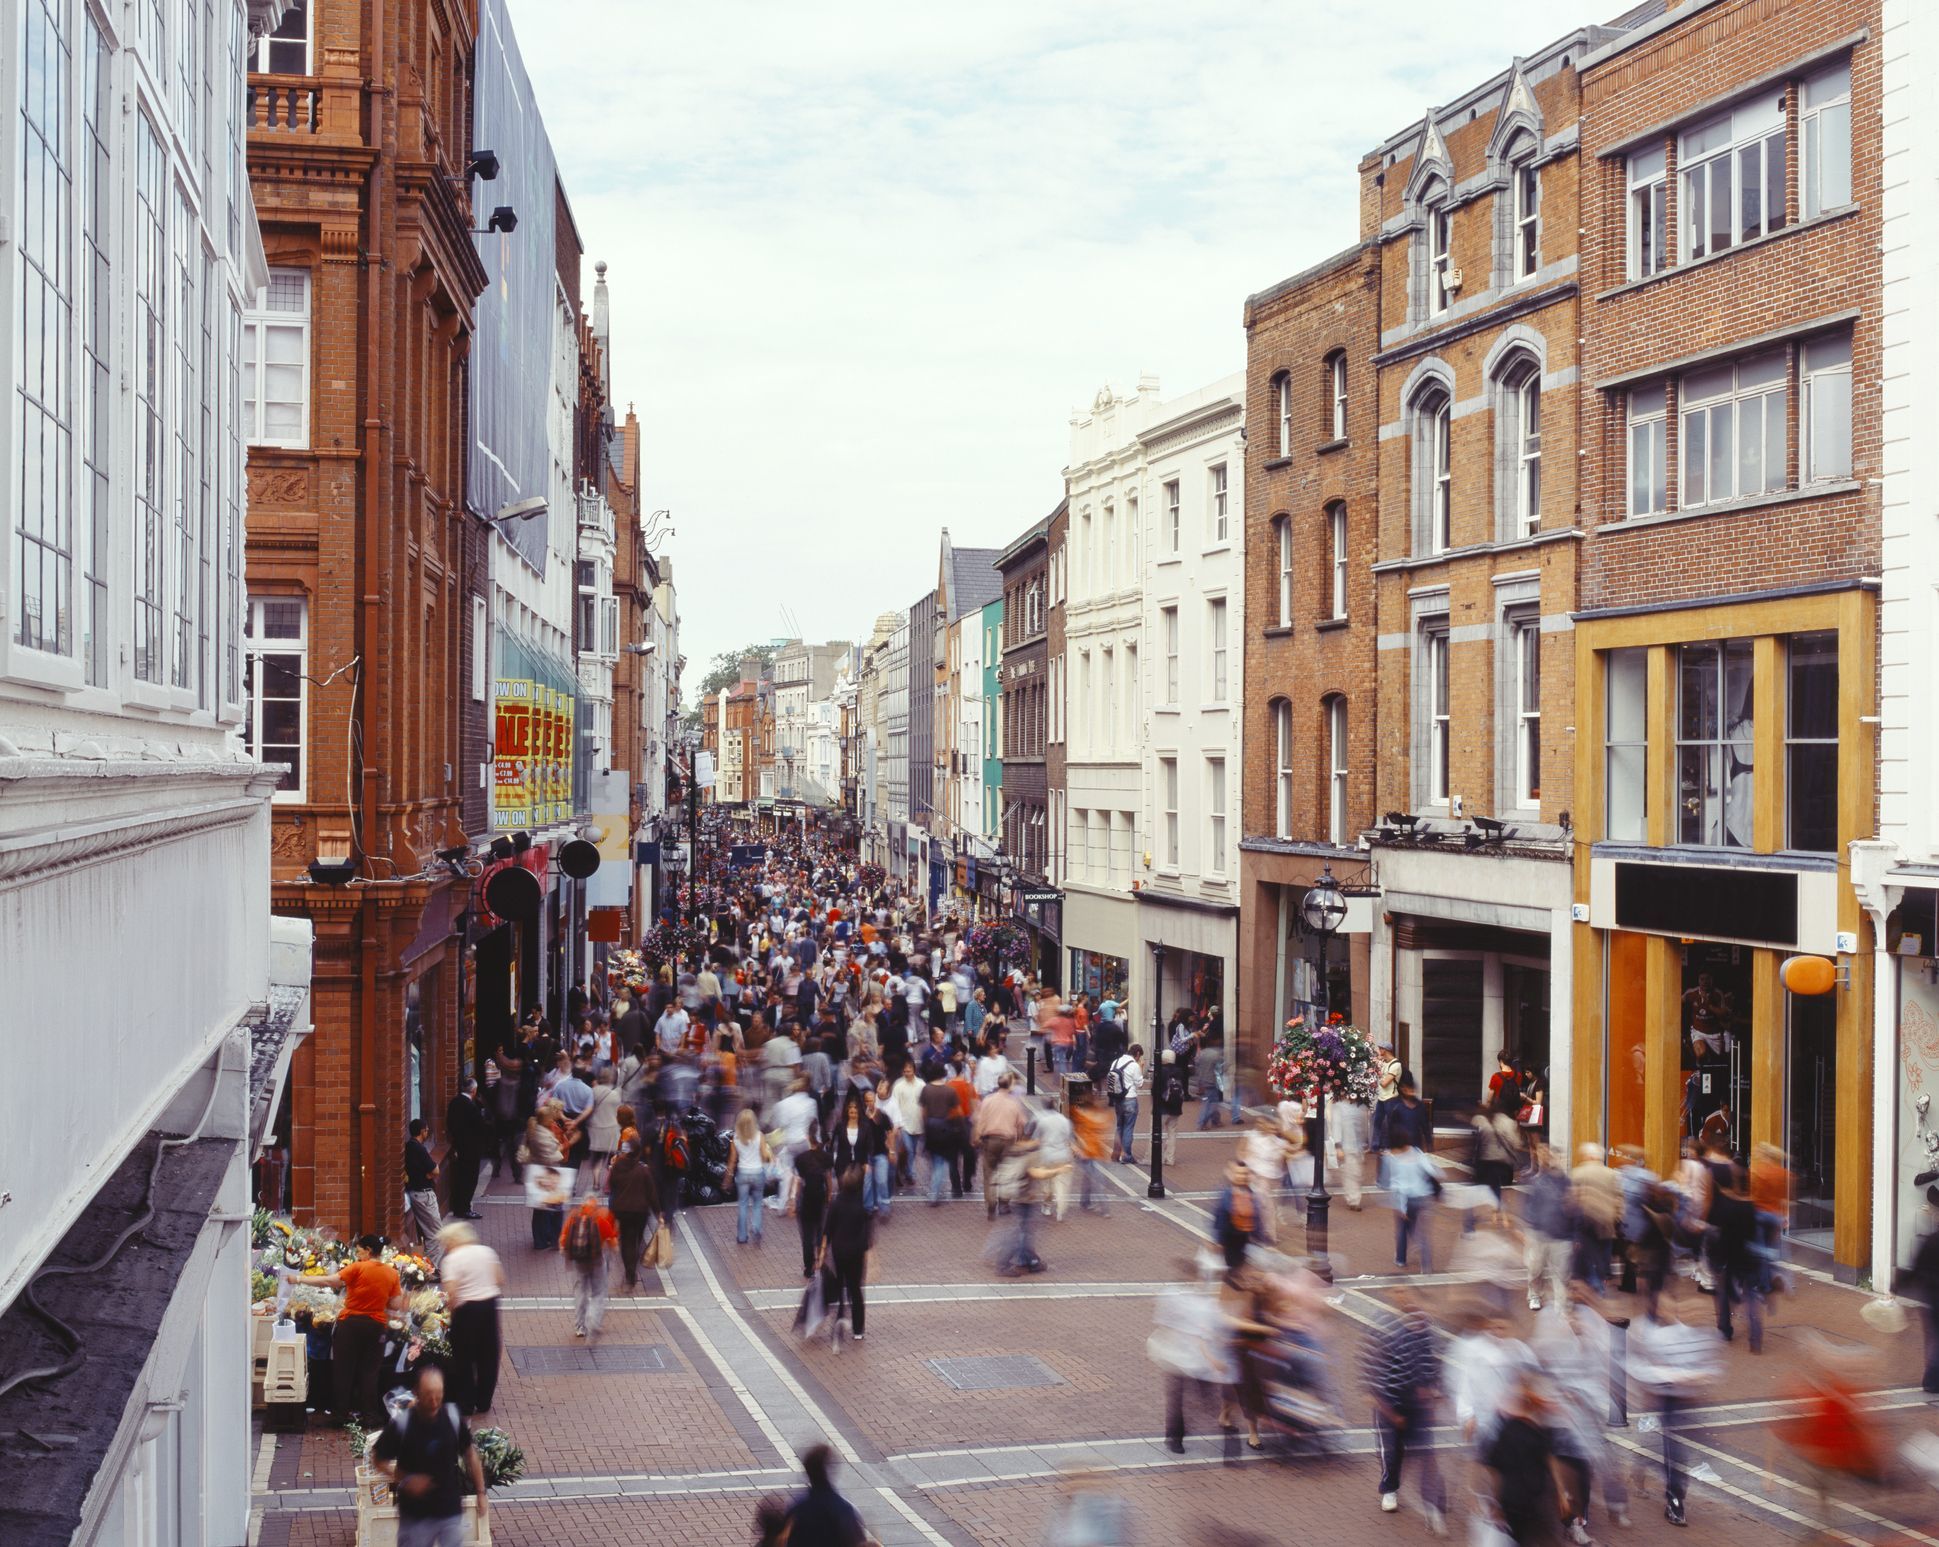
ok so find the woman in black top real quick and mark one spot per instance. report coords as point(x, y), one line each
point(810, 1196)
point(849, 1234)
point(855, 1137)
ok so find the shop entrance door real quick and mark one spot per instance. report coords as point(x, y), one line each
point(1716, 1038)
point(1810, 1119)
point(1451, 994)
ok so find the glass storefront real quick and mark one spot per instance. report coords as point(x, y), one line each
point(1811, 1123)
point(1715, 1038)
point(1100, 976)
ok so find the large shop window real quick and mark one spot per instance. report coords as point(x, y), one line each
point(1811, 743)
point(1715, 780)
point(1102, 977)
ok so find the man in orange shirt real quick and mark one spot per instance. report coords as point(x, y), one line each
point(959, 1081)
point(587, 1241)
point(370, 1290)
point(1093, 1126)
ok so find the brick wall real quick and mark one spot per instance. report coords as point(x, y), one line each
point(1800, 273)
point(1292, 329)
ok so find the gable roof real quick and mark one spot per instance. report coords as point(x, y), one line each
point(974, 581)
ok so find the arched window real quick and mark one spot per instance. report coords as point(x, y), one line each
point(1335, 710)
point(1282, 401)
point(1282, 763)
point(1518, 448)
point(1335, 426)
point(1283, 551)
point(1434, 470)
point(1336, 559)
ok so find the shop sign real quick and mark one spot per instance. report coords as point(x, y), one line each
point(513, 769)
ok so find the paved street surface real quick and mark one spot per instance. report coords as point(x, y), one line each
point(710, 1398)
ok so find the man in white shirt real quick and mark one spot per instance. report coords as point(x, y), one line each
point(1052, 1131)
point(1122, 1082)
point(792, 1115)
point(670, 1030)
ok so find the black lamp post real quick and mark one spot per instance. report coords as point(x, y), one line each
point(1322, 911)
point(1155, 1083)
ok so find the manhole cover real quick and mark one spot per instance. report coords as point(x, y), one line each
point(996, 1372)
point(599, 1359)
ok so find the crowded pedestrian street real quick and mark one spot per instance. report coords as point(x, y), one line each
point(989, 1405)
point(863, 775)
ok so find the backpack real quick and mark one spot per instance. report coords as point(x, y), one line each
point(1114, 1080)
point(673, 1147)
point(582, 1241)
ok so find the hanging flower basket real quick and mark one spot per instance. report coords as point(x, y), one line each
point(1336, 1059)
point(1000, 941)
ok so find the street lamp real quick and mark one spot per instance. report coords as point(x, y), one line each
point(1157, 1187)
point(1322, 911)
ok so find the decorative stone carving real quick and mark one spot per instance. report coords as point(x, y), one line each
point(279, 488)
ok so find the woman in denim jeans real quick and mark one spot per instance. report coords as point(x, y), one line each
point(747, 1171)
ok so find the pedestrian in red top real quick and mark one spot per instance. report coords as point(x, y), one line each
point(589, 1236)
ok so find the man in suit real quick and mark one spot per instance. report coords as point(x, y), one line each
point(470, 1134)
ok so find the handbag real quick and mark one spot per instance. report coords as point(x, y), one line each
point(659, 1250)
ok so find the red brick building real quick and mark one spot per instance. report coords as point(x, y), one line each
point(1726, 639)
point(1310, 491)
point(365, 666)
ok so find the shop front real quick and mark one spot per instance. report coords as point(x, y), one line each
point(1731, 773)
point(1471, 960)
point(1101, 942)
point(1188, 953)
point(1280, 969)
point(1040, 909)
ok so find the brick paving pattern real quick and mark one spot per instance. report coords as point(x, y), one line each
point(683, 1454)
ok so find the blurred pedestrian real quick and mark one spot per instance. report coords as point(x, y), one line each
point(633, 1197)
point(1169, 1095)
point(472, 1279)
point(589, 1234)
point(849, 1234)
point(819, 1516)
point(1547, 1229)
point(1401, 1366)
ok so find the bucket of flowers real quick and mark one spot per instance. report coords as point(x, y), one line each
point(626, 969)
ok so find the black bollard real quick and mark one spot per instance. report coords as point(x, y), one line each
point(1030, 1070)
point(1619, 1372)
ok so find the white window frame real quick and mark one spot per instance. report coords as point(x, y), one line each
point(1168, 632)
point(1337, 388)
point(1525, 638)
point(1741, 407)
point(257, 324)
point(1440, 244)
point(1219, 504)
point(1435, 419)
point(256, 644)
point(1282, 741)
point(1283, 396)
point(1168, 793)
point(1336, 532)
point(1527, 179)
point(1283, 536)
point(1108, 696)
point(1825, 376)
point(1218, 646)
point(1336, 779)
point(1648, 478)
point(1824, 108)
point(1649, 203)
point(1435, 647)
point(1173, 522)
point(1215, 817)
point(1625, 710)
point(259, 49)
point(1527, 449)
point(1743, 137)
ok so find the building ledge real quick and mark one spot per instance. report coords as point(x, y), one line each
point(1810, 491)
point(59, 1431)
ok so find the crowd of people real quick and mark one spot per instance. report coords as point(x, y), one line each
point(833, 1056)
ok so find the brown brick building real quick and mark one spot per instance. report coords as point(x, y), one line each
point(1474, 212)
point(1725, 646)
point(1310, 491)
point(365, 667)
point(1025, 690)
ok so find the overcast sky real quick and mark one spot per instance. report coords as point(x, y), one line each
point(867, 255)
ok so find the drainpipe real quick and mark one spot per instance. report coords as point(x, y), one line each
point(1871, 862)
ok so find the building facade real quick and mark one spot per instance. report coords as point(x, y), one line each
point(135, 828)
point(922, 853)
point(1310, 712)
point(1024, 707)
point(357, 440)
point(1106, 491)
point(1473, 212)
point(1184, 708)
point(1727, 636)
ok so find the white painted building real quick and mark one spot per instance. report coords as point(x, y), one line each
point(134, 831)
point(1897, 876)
point(1106, 486)
point(1192, 543)
point(971, 815)
point(894, 766)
